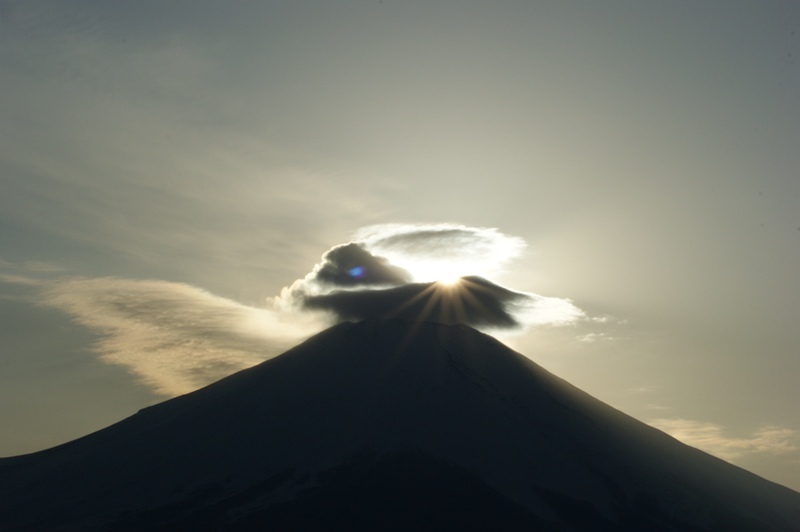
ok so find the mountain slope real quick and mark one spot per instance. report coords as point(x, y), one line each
point(387, 424)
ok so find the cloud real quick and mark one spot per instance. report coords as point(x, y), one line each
point(474, 301)
point(590, 338)
point(27, 273)
point(351, 265)
point(175, 337)
point(353, 282)
point(711, 438)
point(428, 250)
point(11, 278)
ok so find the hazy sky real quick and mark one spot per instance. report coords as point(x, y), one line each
point(168, 168)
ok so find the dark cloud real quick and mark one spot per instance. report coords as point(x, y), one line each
point(350, 265)
point(473, 301)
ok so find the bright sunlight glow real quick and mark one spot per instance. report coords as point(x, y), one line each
point(445, 272)
point(442, 253)
point(448, 281)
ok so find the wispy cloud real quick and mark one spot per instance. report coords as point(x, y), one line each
point(713, 439)
point(175, 337)
point(16, 279)
point(590, 338)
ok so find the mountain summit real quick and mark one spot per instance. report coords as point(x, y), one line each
point(387, 425)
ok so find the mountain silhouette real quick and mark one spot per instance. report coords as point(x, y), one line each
point(387, 425)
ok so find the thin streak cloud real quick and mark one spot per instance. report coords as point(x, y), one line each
point(712, 438)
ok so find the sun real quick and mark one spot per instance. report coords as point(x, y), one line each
point(448, 280)
point(443, 272)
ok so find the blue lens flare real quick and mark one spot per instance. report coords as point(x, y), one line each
point(357, 272)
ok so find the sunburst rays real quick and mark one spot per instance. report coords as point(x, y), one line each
point(451, 302)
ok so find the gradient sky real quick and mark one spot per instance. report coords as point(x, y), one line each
point(167, 168)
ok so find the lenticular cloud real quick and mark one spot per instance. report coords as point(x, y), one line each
point(430, 249)
point(392, 271)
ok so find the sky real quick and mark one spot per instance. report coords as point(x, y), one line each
point(188, 188)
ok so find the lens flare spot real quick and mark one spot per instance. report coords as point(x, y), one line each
point(357, 272)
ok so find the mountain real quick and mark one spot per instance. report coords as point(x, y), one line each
point(386, 425)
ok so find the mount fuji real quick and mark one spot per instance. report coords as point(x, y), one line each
point(387, 425)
